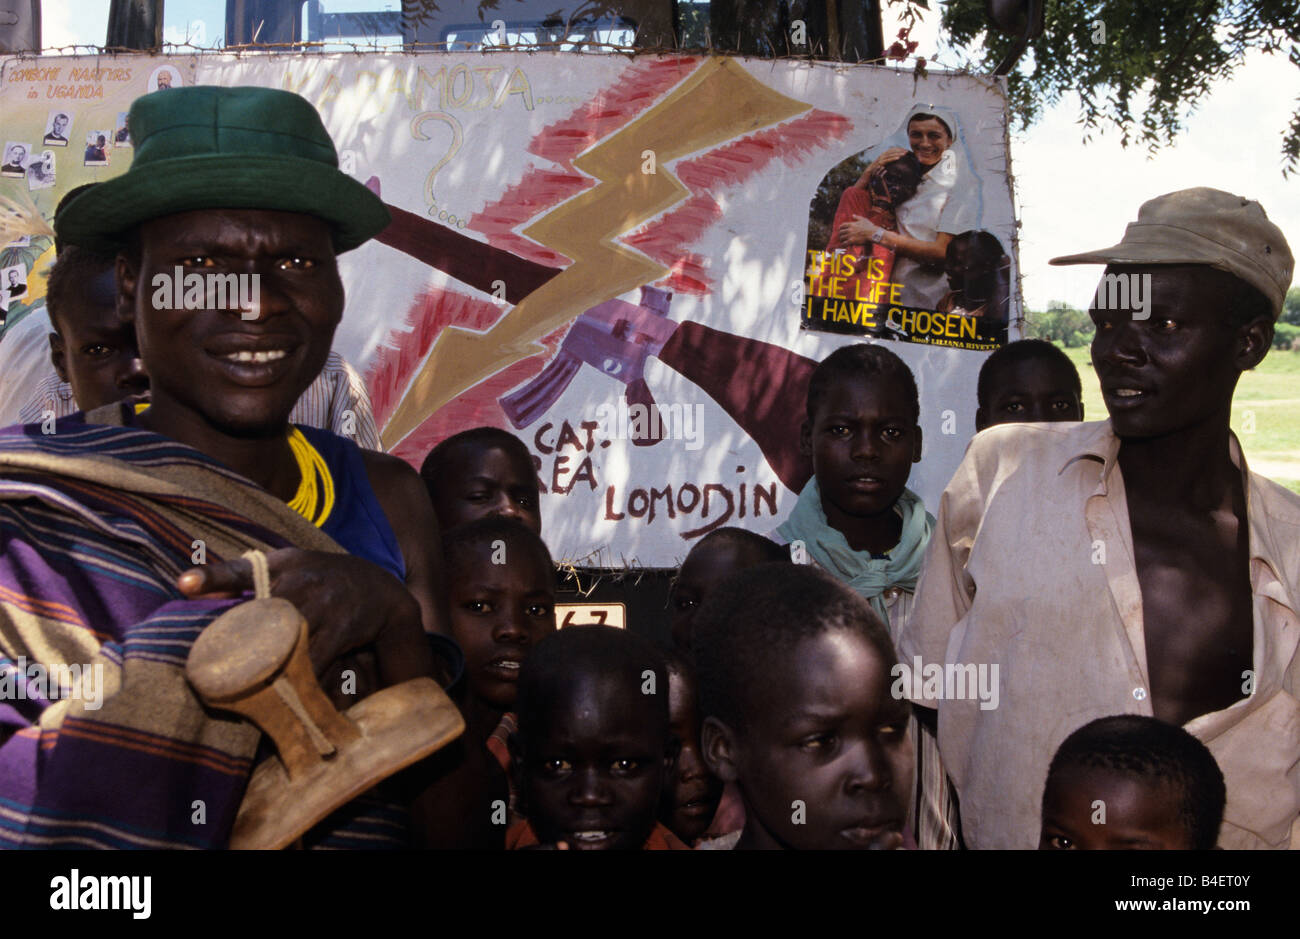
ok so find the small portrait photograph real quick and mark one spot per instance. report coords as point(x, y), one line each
point(978, 270)
point(13, 282)
point(918, 186)
point(122, 136)
point(40, 171)
point(57, 126)
point(164, 77)
point(16, 155)
point(97, 148)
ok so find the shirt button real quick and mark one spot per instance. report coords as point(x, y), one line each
point(1139, 694)
point(892, 593)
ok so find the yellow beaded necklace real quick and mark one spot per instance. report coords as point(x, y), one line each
point(313, 501)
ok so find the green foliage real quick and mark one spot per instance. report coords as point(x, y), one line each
point(1291, 307)
point(826, 200)
point(25, 255)
point(1284, 335)
point(1172, 51)
point(693, 24)
point(1060, 324)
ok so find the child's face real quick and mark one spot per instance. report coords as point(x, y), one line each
point(863, 442)
point(1031, 390)
point(1101, 810)
point(895, 182)
point(480, 481)
point(705, 567)
point(594, 766)
point(969, 272)
point(824, 761)
point(498, 613)
point(692, 794)
point(95, 350)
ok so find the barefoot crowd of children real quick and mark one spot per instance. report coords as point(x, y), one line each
point(772, 721)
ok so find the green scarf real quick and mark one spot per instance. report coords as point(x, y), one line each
point(867, 575)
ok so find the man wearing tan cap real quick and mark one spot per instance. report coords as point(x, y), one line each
point(1133, 565)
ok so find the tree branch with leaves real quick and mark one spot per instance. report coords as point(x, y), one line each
point(1137, 66)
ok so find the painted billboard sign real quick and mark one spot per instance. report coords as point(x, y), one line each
point(632, 263)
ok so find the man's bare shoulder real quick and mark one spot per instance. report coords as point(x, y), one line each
point(387, 465)
point(393, 479)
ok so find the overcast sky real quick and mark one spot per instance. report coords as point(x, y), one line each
point(1069, 196)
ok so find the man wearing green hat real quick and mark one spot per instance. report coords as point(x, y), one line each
point(147, 509)
point(1133, 565)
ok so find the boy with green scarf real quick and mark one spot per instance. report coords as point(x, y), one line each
point(856, 518)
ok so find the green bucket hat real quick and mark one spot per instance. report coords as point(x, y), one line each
point(210, 147)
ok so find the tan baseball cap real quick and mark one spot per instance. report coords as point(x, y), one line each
point(1204, 226)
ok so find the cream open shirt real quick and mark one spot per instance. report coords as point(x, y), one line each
point(1010, 579)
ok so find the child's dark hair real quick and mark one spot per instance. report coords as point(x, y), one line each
point(862, 361)
point(1148, 749)
point(901, 177)
point(1023, 350)
point(747, 627)
point(489, 529)
point(598, 650)
point(764, 549)
point(985, 246)
point(434, 464)
point(72, 272)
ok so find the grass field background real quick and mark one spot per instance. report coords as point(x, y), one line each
point(1267, 400)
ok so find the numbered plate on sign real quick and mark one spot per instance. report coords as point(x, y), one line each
point(591, 614)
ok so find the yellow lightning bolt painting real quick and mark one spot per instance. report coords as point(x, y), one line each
point(717, 102)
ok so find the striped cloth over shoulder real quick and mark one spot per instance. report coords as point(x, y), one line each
point(336, 401)
point(102, 742)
